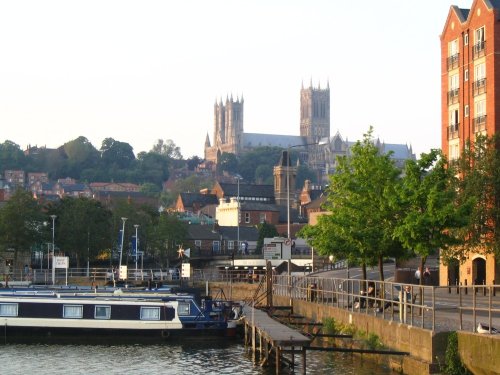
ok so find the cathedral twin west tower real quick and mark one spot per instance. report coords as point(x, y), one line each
point(230, 137)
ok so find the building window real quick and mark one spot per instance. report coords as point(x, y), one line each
point(479, 116)
point(466, 39)
point(453, 151)
point(73, 311)
point(197, 243)
point(262, 217)
point(102, 312)
point(479, 42)
point(479, 85)
point(247, 217)
point(230, 245)
point(8, 309)
point(216, 246)
point(453, 125)
point(453, 89)
point(466, 110)
point(466, 75)
point(150, 313)
point(452, 55)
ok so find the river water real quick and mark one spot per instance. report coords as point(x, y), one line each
point(190, 357)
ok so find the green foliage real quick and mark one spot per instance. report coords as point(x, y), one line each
point(453, 363)
point(427, 201)
point(260, 156)
point(265, 231)
point(167, 148)
point(82, 227)
point(227, 163)
point(164, 235)
point(305, 173)
point(11, 156)
point(21, 223)
point(330, 326)
point(373, 342)
point(361, 221)
point(479, 187)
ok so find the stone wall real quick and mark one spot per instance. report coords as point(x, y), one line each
point(426, 349)
point(480, 353)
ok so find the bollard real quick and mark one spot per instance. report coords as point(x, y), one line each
point(494, 289)
point(449, 287)
point(484, 287)
point(456, 283)
point(466, 286)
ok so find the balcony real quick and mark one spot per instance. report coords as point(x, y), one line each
point(479, 87)
point(453, 131)
point(479, 123)
point(479, 49)
point(453, 61)
point(453, 96)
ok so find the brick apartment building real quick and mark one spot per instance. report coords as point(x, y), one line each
point(470, 82)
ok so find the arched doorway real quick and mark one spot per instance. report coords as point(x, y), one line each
point(453, 272)
point(479, 271)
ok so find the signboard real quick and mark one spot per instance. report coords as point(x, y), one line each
point(271, 251)
point(277, 248)
point(186, 270)
point(61, 262)
point(122, 275)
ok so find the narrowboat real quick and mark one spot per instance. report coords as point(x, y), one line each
point(84, 317)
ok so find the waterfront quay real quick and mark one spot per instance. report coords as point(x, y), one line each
point(419, 326)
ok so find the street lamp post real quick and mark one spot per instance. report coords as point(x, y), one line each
point(136, 226)
point(238, 178)
point(53, 217)
point(288, 160)
point(124, 219)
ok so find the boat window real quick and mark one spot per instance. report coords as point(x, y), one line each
point(102, 312)
point(72, 311)
point(183, 309)
point(8, 309)
point(150, 313)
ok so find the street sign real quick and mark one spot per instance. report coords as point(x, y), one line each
point(186, 270)
point(277, 248)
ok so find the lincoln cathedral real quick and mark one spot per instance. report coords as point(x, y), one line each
point(317, 148)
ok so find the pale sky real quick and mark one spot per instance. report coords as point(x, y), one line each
point(139, 71)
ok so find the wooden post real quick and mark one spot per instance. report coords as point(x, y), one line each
point(278, 359)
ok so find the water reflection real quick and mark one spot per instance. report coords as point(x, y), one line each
point(182, 358)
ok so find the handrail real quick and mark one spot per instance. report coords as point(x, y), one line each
point(426, 306)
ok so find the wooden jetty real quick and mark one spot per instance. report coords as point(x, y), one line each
point(269, 339)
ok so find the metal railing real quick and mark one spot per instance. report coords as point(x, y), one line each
point(429, 307)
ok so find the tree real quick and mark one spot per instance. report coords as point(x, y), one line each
point(20, 223)
point(81, 154)
point(193, 162)
point(117, 154)
point(361, 220)
point(260, 156)
point(479, 188)
point(429, 214)
point(305, 173)
point(153, 168)
point(227, 163)
point(83, 227)
point(11, 156)
point(164, 235)
point(265, 231)
point(167, 148)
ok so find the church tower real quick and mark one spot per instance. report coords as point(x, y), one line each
point(314, 113)
point(284, 173)
point(315, 122)
point(228, 129)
